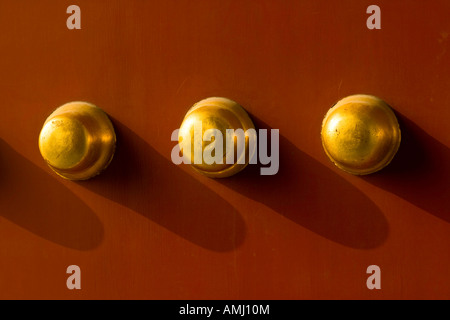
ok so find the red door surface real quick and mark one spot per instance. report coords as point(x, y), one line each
point(149, 229)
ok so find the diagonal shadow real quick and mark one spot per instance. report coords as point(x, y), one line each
point(144, 181)
point(315, 197)
point(420, 171)
point(40, 204)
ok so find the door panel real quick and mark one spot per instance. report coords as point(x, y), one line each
point(149, 229)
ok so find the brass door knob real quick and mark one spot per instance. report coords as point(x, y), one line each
point(360, 134)
point(77, 141)
point(225, 116)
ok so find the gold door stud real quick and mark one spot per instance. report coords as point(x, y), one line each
point(360, 134)
point(224, 116)
point(77, 141)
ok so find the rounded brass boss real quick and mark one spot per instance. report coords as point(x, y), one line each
point(360, 134)
point(77, 141)
point(220, 114)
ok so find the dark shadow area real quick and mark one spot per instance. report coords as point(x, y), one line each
point(37, 202)
point(419, 172)
point(314, 197)
point(149, 184)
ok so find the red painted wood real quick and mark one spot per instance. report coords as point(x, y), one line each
point(148, 229)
